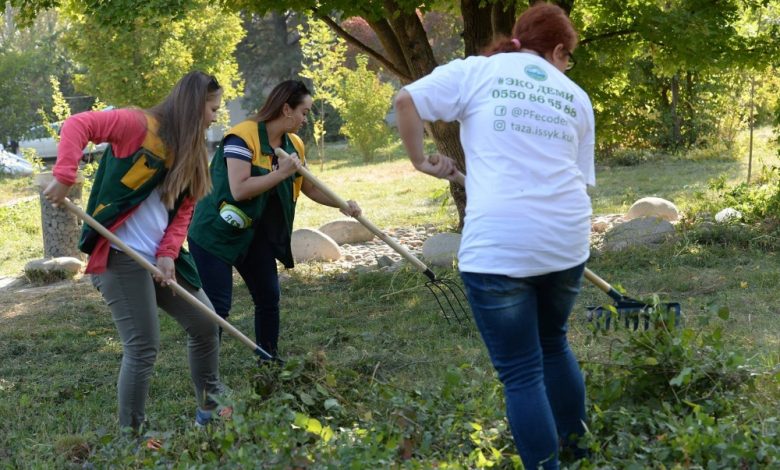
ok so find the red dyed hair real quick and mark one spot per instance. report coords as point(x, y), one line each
point(540, 28)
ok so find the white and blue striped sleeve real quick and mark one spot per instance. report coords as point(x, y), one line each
point(235, 147)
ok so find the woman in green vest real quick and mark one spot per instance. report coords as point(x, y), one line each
point(145, 189)
point(246, 221)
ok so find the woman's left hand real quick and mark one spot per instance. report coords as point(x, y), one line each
point(168, 269)
point(353, 211)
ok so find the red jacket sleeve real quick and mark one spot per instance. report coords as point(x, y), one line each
point(124, 129)
point(177, 230)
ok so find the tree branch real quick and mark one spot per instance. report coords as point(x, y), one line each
point(610, 34)
point(357, 42)
point(391, 43)
point(408, 28)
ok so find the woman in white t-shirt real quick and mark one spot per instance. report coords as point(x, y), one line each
point(527, 131)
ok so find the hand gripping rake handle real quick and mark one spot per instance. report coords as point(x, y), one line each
point(179, 290)
point(366, 223)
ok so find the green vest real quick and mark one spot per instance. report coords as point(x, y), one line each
point(121, 184)
point(212, 227)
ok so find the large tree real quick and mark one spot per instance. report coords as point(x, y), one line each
point(406, 50)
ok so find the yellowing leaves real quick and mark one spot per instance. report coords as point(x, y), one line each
point(313, 426)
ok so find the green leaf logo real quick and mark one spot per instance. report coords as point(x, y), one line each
point(536, 72)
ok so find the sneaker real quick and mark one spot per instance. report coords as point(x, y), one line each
point(204, 417)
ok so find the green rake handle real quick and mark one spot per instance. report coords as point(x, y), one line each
point(177, 289)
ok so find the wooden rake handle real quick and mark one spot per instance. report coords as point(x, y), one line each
point(589, 275)
point(366, 223)
point(179, 290)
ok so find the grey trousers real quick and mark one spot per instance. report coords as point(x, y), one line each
point(133, 297)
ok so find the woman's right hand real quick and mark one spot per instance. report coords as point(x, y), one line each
point(288, 164)
point(442, 167)
point(55, 192)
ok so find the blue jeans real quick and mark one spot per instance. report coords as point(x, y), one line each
point(258, 270)
point(523, 324)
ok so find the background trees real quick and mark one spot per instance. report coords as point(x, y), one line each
point(661, 74)
point(268, 54)
point(139, 63)
point(658, 71)
point(28, 57)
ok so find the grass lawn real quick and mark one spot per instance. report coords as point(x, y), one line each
point(382, 381)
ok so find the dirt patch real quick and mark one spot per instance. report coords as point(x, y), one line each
point(18, 200)
point(17, 293)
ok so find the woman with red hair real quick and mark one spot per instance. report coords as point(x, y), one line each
point(528, 136)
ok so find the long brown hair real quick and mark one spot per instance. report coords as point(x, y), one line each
point(180, 117)
point(539, 28)
point(290, 92)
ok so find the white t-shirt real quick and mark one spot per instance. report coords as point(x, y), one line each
point(146, 227)
point(528, 135)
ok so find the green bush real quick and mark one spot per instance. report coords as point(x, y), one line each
point(679, 395)
point(718, 151)
point(366, 101)
point(756, 201)
point(627, 156)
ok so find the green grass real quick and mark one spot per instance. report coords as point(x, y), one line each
point(677, 178)
point(22, 238)
point(14, 188)
point(373, 361)
point(390, 191)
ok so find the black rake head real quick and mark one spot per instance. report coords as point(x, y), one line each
point(631, 313)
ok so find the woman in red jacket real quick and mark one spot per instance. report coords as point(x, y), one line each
point(145, 189)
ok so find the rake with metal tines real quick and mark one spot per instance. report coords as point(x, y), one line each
point(631, 312)
point(449, 295)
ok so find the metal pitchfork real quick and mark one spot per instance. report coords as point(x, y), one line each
point(449, 295)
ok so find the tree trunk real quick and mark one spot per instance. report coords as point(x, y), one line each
point(390, 43)
point(503, 17)
point(690, 96)
point(676, 121)
point(446, 135)
point(477, 25)
point(61, 229)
